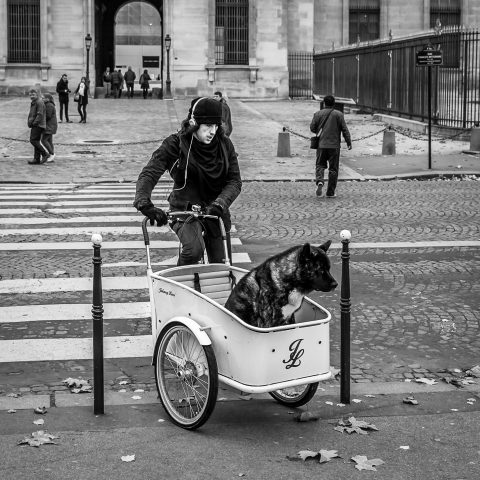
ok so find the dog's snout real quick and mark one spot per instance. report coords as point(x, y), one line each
point(334, 284)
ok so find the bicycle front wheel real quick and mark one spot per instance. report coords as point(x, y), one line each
point(187, 377)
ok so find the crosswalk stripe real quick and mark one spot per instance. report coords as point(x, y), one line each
point(69, 311)
point(119, 245)
point(102, 207)
point(55, 349)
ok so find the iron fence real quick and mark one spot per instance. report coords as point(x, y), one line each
point(300, 68)
point(384, 77)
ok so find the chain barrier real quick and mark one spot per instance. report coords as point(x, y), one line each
point(81, 144)
point(405, 133)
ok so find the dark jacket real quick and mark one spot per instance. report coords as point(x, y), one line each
point(37, 114)
point(83, 98)
point(129, 76)
point(335, 124)
point(185, 193)
point(144, 79)
point(226, 118)
point(51, 117)
point(116, 78)
point(63, 91)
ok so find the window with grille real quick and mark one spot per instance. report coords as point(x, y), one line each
point(23, 24)
point(364, 20)
point(231, 32)
point(447, 11)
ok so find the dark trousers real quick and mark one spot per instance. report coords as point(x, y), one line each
point(47, 140)
point(193, 242)
point(36, 139)
point(115, 88)
point(82, 110)
point(62, 105)
point(145, 92)
point(130, 90)
point(327, 158)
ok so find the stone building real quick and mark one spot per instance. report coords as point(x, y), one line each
point(194, 47)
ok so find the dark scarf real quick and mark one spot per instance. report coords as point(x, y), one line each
point(210, 166)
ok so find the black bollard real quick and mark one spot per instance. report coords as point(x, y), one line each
point(97, 317)
point(345, 236)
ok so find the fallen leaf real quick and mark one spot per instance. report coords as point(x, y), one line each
point(363, 463)
point(12, 410)
point(40, 410)
point(139, 390)
point(78, 385)
point(41, 437)
point(356, 400)
point(128, 458)
point(123, 382)
point(136, 397)
point(369, 395)
point(426, 381)
point(58, 273)
point(40, 421)
point(327, 455)
point(352, 425)
point(304, 454)
point(13, 395)
point(474, 371)
point(404, 447)
point(328, 402)
point(340, 404)
point(410, 401)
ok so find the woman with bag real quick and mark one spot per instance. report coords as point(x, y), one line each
point(81, 96)
point(144, 83)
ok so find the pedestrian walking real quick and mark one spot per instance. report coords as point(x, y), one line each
point(144, 83)
point(226, 114)
point(122, 84)
point(116, 78)
point(203, 163)
point(37, 123)
point(328, 124)
point(107, 82)
point(129, 78)
point(81, 96)
point(50, 125)
point(63, 97)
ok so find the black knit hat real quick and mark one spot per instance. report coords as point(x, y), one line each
point(205, 110)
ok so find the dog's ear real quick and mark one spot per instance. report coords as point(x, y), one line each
point(325, 246)
point(306, 250)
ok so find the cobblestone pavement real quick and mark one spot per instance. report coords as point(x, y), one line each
point(414, 310)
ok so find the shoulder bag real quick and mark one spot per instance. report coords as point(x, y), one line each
point(315, 141)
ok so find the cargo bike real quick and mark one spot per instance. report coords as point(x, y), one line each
point(198, 343)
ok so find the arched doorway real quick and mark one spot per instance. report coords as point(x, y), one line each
point(129, 22)
point(138, 40)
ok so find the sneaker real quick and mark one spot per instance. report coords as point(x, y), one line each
point(51, 158)
point(34, 162)
point(330, 196)
point(44, 158)
point(319, 189)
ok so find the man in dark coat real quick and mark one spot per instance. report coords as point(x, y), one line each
point(63, 91)
point(129, 78)
point(203, 163)
point(51, 126)
point(331, 123)
point(37, 123)
point(226, 114)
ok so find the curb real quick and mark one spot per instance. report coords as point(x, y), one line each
point(63, 400)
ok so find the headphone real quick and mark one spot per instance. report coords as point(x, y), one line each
point(192, 120)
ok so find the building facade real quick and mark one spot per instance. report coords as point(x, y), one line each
point(238, 46)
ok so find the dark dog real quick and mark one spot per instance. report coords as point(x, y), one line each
point(270, 294)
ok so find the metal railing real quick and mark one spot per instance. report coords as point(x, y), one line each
point(300, 69)
point(383, 76)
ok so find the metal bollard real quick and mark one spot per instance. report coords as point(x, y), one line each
point(97, 318)
point(388, 145)
point(345, 236)
point(283, 147)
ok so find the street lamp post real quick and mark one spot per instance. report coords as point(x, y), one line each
point(88, 44)
point(168, 44)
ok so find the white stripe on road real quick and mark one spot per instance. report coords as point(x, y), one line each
point(426, 244)
point(38, 220)
point(77, 195)
point(34, 211)
point(69, 311)
point(120, 245)
point(51, 349)
point(72, 203)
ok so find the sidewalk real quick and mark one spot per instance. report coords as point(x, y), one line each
point(121, 135)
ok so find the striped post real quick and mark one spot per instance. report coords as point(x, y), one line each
point(345, 236)
point(97, 318)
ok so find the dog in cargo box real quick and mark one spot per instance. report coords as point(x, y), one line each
point(270, 294)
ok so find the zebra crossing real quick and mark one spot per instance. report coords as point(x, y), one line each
point(47, 317)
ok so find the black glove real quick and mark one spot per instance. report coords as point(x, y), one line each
point(214, 209)
point(155, 215)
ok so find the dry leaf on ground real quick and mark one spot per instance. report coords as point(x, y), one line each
point(41, 437)
point(363, 463)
